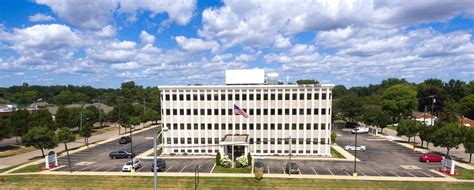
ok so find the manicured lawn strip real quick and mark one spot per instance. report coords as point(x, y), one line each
point(220, 169)
point(465, 174)
point(122, 182)
point(336, 154)
point(14, 152)
point(391, 127)
point(158, 152)
point(29, 169)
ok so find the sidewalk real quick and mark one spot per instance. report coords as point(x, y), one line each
point(459, 152)
point(36, 154)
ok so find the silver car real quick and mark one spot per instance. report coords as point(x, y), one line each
point(128, 166)
point(353, 147)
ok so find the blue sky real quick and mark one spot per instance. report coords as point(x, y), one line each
point(103, 43)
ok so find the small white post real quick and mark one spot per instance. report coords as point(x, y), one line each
point(55, 159)
point(46, 162)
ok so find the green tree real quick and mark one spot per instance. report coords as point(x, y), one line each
point(399, 101)
point(41, 117)
point(66, 97)
point(466, 106)
point(456, 89)
point(66, 136)
point(375, 116)
point(409, 128)
point(350, 107)
point(81, 97)
point(450, 112)
point(333, 137)
point(339, 91)
point(40, 137)
point(19, 122)
point(468, 143)
point(86, 132)
point(449, 135)
point(218, 158)
point(426, 134)
point(5, 129)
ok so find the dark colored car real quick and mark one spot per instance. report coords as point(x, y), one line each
point(160, 165)
point(125, 140)
point(121, 154)
point(292, 167)
point(430, 157)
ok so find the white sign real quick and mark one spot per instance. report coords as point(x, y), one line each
point(51, 159)
point(448, 164)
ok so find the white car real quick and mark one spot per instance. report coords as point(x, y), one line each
point(127, 167)
point(360, 130)
point(353, 147)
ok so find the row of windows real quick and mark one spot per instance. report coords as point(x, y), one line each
point(294, 141)
point(257, 151)
point(263, 111)
point(251, 126)
point(209, 97)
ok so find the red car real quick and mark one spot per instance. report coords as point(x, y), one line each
point(430, 157)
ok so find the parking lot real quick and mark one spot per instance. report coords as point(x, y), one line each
point(96, 159)
point(382, 158)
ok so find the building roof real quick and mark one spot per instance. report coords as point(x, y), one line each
point(421, 115)
point(235, 139)
point(467, 122)
point(247, 86)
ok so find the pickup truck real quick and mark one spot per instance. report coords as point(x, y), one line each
point(360, 130)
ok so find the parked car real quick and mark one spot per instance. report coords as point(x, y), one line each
point(353, 147)
point(360, 130)
point(125, 140)
point(160, 166)
point(128, 166)
point(292, 167)
point(121, 154)
point(430, 157)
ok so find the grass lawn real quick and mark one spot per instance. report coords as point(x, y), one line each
point(13, 150)
point(220, 169)
point(465, 174)
point(158, 152)
point(336, 154)
point(391, 127)
point(121, 182)
point(29, 169)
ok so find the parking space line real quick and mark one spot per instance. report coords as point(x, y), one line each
point(168, 169)
point(330, 171)
point(183, 168)
point(83, 168)
point(314, 171)
point(363, 173)
point(393, 173)
point(378, 173)
point(344, 170)
point(110, 169)
point(98, 168)
point(409, 173)
point(425, 173)
point(139, 169)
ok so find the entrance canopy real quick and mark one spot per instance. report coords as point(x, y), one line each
point(235, 139)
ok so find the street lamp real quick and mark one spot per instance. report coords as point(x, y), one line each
point(154, 156)
point(354, 173)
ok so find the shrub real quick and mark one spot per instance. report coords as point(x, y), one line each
point(333, 137)
point(218, 158)
point(249, 158)
point(242, 161)
point(225, 161)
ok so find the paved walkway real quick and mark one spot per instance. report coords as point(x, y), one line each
point(29, 156)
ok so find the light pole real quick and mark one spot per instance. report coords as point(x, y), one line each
point(354, 173)
point(155, 176)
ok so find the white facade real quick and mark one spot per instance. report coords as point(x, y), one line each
point(200, 117)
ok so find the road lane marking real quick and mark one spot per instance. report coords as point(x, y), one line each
point(330, 171)
point(344, 170)
point(314, 171)
point(183, 168)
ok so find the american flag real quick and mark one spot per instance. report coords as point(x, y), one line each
point(238, 111)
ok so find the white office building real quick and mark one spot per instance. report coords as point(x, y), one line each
point(202, 120)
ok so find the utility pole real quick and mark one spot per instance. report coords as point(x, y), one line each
point(432, 106)
point(68, 159)
point(354, 173)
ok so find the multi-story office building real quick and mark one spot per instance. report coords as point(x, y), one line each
point(202, 120)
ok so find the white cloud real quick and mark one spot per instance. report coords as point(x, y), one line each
point(281, 42)
point(146, 38)
point(95, 14)
point(107, 32)
point(39, 17)
point(244, 58)
point(125, 66)
point(219, 58)
point(196, 45)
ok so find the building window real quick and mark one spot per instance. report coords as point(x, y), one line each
point(209, 112)
point(330, 96)
point(301, 126)
point(181, 126)
point(250, 96)
point(203, 140)
point(323, 96)
point(259, 112)
point(244, 96)
point(195, 97)
point(203, 112)
point(175, 126)
point(265, 112)
point(230, 111)
point(182, 140)
point(294, 96)
point(294, 112)
point(201, 97)
point(181, 97)
point(168, 140)
point(280, 96)
point(203, 127)
point(188, 111)
point(272, 96)
point(216, 126)
point(259, 97)
point(323, 126)
point(188, 126)
point(175, 140)
point(251, 126)
point(323, 111)
point(229, 97)
point(265, 126)
point(230, 126)
point(216, 111)
point(223, 126)
point(223, 112)
point(209, 97)
point(209, 126)
point(259, 126)
point(167, 97)
point(181, 111)
point(287, 126)
point(279, 126)
point(251, 112)
point(237, 96)
point(329, 111)
point(302, 96)
point(287, 96)
point(168, 112)
point(272, 126)
point(293, 126)
point(175, 112)
point(195, 112)
point(265, 97)
point(300, 141)
point(244, 126)
point(308, 126)
point(209, 141)
point(272, 112)
point(174, 97)
point(216, 140)
point(308, 96)
point(237, 126)
point(316, 111)
point(280, 112)
point(287, 111)
point(196, 140)
point(315, 126)
point(222, 96)
point(190, 140)
point(196, 126)
point(301, 111)
point(308, 111)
